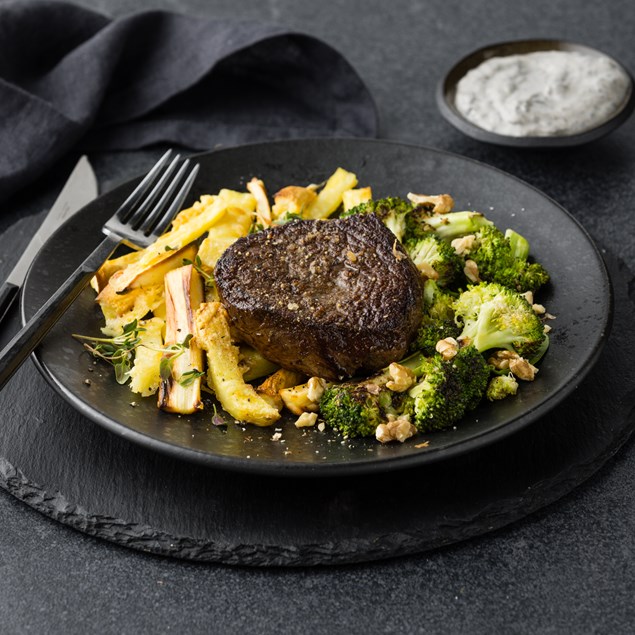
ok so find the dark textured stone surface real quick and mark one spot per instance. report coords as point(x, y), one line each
point(567, 568)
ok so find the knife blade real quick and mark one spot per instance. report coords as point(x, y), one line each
point(79, 189)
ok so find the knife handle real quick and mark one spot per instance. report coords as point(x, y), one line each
point(8, 294)
point(30, 335)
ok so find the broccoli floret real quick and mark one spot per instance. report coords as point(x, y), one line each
point(501, 386)
point(352, 410)
point(495, 316)
point(502, 258)
point(447, 226)
point(356, 408)
point(448, 389)
point(431, 251)
point(438, 320)
point(392, 211)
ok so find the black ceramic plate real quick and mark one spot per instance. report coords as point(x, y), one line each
point(579, 296)
point(446, 92)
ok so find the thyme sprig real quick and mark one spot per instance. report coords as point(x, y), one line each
point(208, 278)
point(118, 351)
point(171, 354)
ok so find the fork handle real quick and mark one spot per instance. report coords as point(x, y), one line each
point(30, 335)
point(8, 294)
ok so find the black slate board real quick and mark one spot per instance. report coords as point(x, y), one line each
point(81, 475)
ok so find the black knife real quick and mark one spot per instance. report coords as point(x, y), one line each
point(79, 190)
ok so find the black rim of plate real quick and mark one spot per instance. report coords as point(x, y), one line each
point(446, 90)
point(593, 348)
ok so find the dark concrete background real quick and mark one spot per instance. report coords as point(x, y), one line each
point(568, 568)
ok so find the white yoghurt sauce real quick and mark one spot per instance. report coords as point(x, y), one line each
point(542, 94)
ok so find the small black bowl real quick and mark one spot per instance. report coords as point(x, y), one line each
point(446, 92)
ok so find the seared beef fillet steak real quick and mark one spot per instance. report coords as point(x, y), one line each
point(327, 298)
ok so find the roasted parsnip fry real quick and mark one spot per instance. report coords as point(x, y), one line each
point(330, 196)
point(270, 388)
point(120, 310)
point(155, 273)
point(224, 374)
point(298, 399)
point(353, 198)
point(180, 388)
point(253, 364)
point(293, 199)
point(263, 209)
point(110, 267)
point(231, 227)
point(145, 374)
point(173, 240)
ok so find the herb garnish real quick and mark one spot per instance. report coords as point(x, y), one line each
point(118, 350)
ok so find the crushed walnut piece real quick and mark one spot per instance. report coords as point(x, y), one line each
point(399, 255)
point(519, 366)
point(447, 348)
point(315, 389)
point(464, 245)
point(439, 204)
point(395, 430)
point(306, 420)
point(402, 378)
point(500, 359)
point(522, 369)
point(428, 270)
point(471, 271)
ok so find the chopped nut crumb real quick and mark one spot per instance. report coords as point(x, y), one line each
point(464, 245)
point(306, 420)
point(399, 255)
point(471, 271)
point(522, 369)
point(529, 295)
point(293, 306)
point(87, 382)
point(315, 388)
point(402, 378)
point(440, 204)
point(500, 359)
point(372, 389)
point(548, 316)
point(448, 348)
point(321, 426)
point(546, 328)
point(396, 430)
point(352, 256)
point(538, 309)
point(424, 444)
point(277, 436)
point(428, 270)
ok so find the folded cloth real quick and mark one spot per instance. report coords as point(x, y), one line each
point(71, 78)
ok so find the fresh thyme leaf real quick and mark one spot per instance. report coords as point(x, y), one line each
point(186, 341)
point(187, 379)
point(118, 351)
point(165, 367)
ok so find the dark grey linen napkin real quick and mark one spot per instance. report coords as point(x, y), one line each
point(71, 78)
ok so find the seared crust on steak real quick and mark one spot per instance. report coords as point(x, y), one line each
point(327, 298)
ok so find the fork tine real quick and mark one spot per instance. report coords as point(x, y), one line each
point(177, 203)
point(141, 213)
point(127, 206)
point(151, 218)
